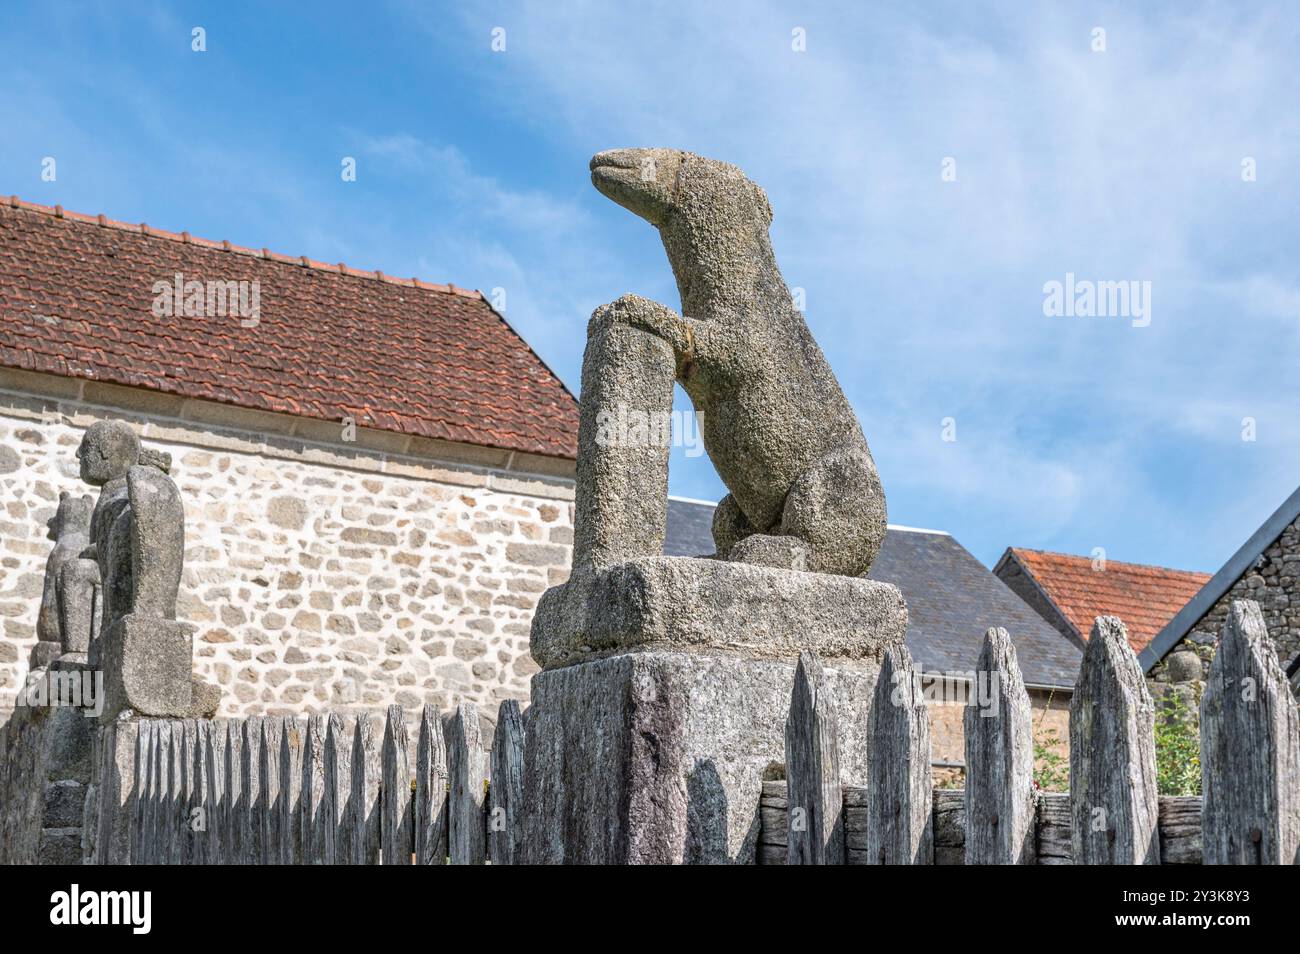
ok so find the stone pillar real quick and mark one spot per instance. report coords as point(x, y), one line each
point(662, 704)
point(624, 433)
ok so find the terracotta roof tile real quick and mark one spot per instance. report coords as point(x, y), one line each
point(1144, 597)
point(398, 354)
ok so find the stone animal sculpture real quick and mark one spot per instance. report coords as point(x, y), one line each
point(137, 541)
point(804, 492)
point(69, 528)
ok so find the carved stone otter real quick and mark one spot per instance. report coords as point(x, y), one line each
point(804, 492)
point(69, 528)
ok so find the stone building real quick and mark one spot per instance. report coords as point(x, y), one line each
point(1266, 569)
point(1071, 591)
point(377, 472)
point(952, 599)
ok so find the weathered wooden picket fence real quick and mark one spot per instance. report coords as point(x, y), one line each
point(333, 789)
point(1250, 754)
point(348, 789)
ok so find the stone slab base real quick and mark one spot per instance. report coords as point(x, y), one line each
point(701, 605)
point(659, 758)
point(147, 665)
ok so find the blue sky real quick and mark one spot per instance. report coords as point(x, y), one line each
point(926, 295)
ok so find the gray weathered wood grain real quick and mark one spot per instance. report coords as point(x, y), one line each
point(1114, 802)
point(232, 835)
point(1000, 799)
point(812, 768)
point(315, 828)
point(395, 794)
point(1180, 830)
point(1250, 749)
point(897, 826)
point(506, 791)
point(363, 826)
point(292, 739)
point(430, 814)
point(250, 791)
point(467, 767)
point(336, 790)
point(270, 795)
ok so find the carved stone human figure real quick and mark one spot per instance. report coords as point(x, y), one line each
point(69, 528)
point(137, 540)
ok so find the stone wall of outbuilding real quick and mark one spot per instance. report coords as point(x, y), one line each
point(319, 572)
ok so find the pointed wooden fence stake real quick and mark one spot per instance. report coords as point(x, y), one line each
point(1114, 802)
point(430, 815)
point(506, 792)
point(1250, 750)
point(812, 766)
point(1000, 799)
point(900, 828)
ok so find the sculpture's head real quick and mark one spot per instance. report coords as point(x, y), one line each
point(108, 450)
point(665, 185)
point(73, 515)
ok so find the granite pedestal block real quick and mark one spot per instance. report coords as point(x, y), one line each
point(663, 705)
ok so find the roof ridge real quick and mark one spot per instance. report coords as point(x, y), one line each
point(185, 238)
point(1110, 562)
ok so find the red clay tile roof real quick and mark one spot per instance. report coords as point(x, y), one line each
point(331, 342)
point(1144, 597)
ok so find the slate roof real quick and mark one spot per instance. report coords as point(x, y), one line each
point(331, 342)
point(952, 599)
point(1144, 597)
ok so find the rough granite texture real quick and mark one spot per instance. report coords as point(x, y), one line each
point(45, 769)
point(701, 605)
point(137, 538)
point(70, 531)
point(621, 491)
point(775, 423)
point(657, 757)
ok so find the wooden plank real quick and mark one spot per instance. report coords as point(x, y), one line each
point(336, 791)
point(431, 782)
point(250, 774)
point(292, 737)
point(178, 833)
point(395, 794)
point(203, 807)
point(164, 821)
point(1180, 830)
point(316, 830)
point(362, 827)
point(506, 791)
point(232, 840)
point(812, 770)
point(143, 789)
point(270, 797)
point(467, 768)
point(217, 845)
point(1114, 802)
point(897, 823)
point(1055, 844)
point(1250, 749)
point(189, 794)
point(1000, 797)
point(949, 826)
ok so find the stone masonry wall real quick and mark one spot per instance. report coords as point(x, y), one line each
point(317, 576)
point(1274, 583)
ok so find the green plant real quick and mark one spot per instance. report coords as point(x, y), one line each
point(1051, 768)
point(1178, 747)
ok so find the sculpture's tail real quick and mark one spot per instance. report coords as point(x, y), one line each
point(157, 541)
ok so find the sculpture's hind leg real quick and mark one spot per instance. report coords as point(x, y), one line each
point(837, 509)
point(730, 526)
